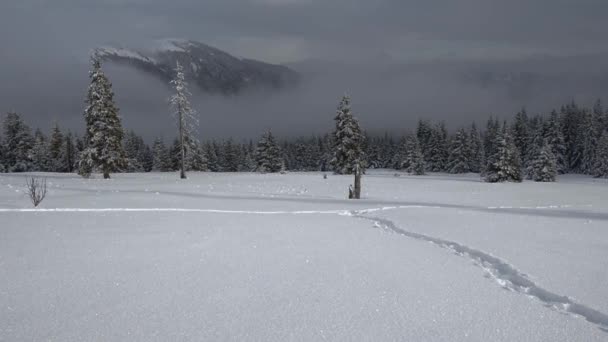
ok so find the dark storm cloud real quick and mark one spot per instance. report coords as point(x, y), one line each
point(44, 46)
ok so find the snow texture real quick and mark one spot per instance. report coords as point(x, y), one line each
point(147, 257)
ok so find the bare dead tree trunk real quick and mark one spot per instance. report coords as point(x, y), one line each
point(357, 194)
point(181, 143)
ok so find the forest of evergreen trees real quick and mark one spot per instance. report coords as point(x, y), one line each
point(573, 140)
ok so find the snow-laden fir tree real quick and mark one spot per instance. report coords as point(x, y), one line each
point(476, 152)
point(589, 140)
point(160, 156)
point(56, 150)
point(69, 153)
point(40, 153)
point(600, 170)
point(438, 150)
point(572, 118)
point(132, 146)
point(187, 121)
point(424, 131)
point(544, 166)
point(104, 133)
point(212, 158)
point(534, 148)
point(268, 154)
point(413, 163)
point(18, 143)
point(555, 137)
point(230, 157)
point(504, 165)
point(347, 140)
point(490, 137)
point(459, 160)
point(521, 132)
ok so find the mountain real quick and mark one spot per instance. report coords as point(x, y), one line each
point(211, 69)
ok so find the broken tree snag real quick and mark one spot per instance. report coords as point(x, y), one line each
point(357, 192)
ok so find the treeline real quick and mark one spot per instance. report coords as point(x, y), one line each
point(573, 140)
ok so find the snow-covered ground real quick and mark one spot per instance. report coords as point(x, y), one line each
point(147, 257)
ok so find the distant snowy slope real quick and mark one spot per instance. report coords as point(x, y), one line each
point(213, 70)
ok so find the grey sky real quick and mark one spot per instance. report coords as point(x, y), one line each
point(44, 46)
point(291, 30)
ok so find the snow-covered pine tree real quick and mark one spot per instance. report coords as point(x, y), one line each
point(69, 154)
point(161, 162)
point(18, 143)
point(424, 132)
point(104, 131)
point(196, 159)
point(56, 150)
point(401, 153)
point(459, 160)
point(571, 122)
point(347, 140)
point(230, 156)
point(268, 154)
point(555, 138)
point(544, 166)
point(504, 165)
point(2, 153)
point(490, 138)
point(589, 139)
point(437, 149)
point(414, 160)
point(212, 158)
point(476, 150)
point(600, 169)
point(175, 155)
point(132, 146)
point(521, 132)
point(40, 153)
point(534, 151)
point(187, 121)
point(601, 118)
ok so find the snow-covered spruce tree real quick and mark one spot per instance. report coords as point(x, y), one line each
point(40, 153)
point(413, 163)
point(268, 154)
point(476, 152)
point(504, 164)
point(600, 170)
point(69, 154)
point(424, 131)
point(160, 156)
point(104, 131)
point(555, 137)
point(56, 150)
point(438, 149)
point(459, 160)
point(521, 132)
point(544, 166)
point(212, 158)
point(534, 150)
point(132, 148)
point(489, 138)
point(571, 122)
point(18, 143)
point(347, 140)
point(589, 139)
point(230, 156)
point(187, 121)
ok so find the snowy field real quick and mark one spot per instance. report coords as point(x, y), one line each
point(248, 257)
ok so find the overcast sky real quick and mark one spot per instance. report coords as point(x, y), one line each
point(41, 38)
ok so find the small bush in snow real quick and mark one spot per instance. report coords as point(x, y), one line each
point(36, 190)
